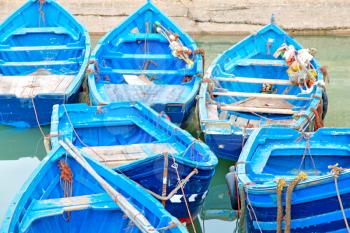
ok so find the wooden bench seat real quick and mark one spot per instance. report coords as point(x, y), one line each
point(254, 80)
point(261, 95)
point(55, 30)
point(38, 63)
point(118, 55)
point(114, 156)
point(261, 62)
point(52, 207)
point(40, 48)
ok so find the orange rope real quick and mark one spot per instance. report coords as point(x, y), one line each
point(41, 11)
point(67, 178)
point(318, 120)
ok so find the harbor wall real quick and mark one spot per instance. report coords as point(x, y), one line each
point(227, 17)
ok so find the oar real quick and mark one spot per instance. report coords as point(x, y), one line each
point(133, 214)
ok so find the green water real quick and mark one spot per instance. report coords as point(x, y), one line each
point(22, 149)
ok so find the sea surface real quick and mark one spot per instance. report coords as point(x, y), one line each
point(22, 149)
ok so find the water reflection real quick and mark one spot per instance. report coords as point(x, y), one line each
point(13, 174)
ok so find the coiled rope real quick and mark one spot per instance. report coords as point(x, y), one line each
point(66, 179)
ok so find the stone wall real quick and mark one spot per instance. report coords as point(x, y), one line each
point(234, 17)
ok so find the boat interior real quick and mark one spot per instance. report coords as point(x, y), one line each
point(40, 44)
point(252, 87)
point(265, 163)
point(135, 62)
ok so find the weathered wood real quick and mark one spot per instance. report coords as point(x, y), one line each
point(133, 214)
point(254, 80)
point(213, 112)
point(258, 110)
point(267, 103)
point(261, 62)
point(114, 156)
point(137, 80)
point(32, 85)
point(260, 95)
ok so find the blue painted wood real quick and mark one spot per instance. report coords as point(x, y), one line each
point(251, 57)
point(127, 50)
point(134, 124)
point(40, 205)
point(274, 153)
point(31, 41)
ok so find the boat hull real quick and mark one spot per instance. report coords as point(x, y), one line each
point(149, 174)
point(225, 146)
point(21, 113)
point(310, 211)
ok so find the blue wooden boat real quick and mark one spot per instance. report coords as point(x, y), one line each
point(147, 58)
point(247, 87)
point(275, 160)
point(134, 140)
point(44, 52)
point(43, 205)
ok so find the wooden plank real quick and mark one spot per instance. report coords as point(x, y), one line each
point(113, 156)
point(38, 63)
point(261, 62)
point(137, 79)
point(260, 95)
point(265, 102)
point(41, 48)
point(213, 112)
point(52, 207)
point(258, 110)
point(31, 85)
point(254, 80)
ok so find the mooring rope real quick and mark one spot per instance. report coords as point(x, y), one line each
point(301, 177)
point(175, 166)
point(336, 171)
point(250, 208)
point(280, 186)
